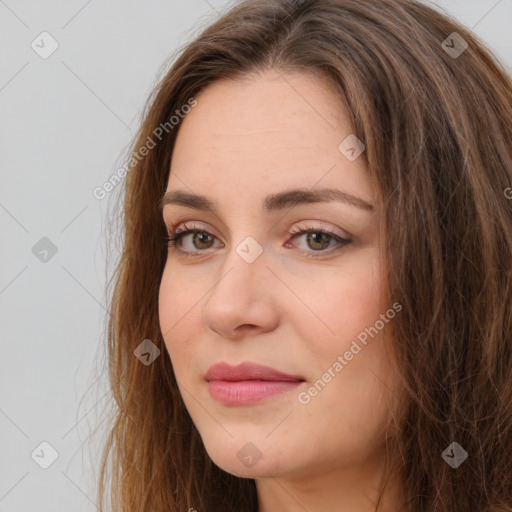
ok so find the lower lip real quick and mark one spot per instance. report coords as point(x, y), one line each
point(247, 391)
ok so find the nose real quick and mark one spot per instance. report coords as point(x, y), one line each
point(243, 300)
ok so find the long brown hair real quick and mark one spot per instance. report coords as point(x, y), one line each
point(436, 119)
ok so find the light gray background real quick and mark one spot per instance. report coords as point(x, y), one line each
point(65, 122)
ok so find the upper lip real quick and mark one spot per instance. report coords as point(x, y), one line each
point(247, 371)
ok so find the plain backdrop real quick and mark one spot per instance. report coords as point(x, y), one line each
point(65, 121)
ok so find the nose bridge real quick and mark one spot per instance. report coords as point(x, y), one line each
point(247, 237)
point(245, 257)
point(240, 295)
point(245, 262)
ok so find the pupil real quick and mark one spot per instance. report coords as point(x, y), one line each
point(203, 238)
point(315, 237)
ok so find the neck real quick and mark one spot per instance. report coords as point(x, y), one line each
point(345, 489)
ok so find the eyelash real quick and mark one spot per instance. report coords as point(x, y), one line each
point(177, 234)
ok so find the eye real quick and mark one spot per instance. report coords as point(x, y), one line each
point(317, 238)
point(201, 239)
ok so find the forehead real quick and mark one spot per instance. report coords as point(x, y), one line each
point(270, 131)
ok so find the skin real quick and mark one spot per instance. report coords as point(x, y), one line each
point(245, 139)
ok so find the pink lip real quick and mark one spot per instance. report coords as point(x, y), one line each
point(247, 382)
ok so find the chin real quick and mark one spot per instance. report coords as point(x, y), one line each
point(246, 459)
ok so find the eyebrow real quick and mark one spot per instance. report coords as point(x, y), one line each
point(272, 202)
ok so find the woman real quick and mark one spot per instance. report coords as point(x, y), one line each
point(316, 280)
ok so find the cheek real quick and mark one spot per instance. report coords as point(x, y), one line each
point(179, 298)
point(343, 302)
point(176, 314)
point(353, 311)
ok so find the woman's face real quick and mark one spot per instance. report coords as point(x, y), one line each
point(245, 289)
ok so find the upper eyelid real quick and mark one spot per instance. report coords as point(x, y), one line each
point(297, 227)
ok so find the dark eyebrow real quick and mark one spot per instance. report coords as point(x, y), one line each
point(273, 202)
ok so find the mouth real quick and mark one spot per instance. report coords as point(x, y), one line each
point(247, 383)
